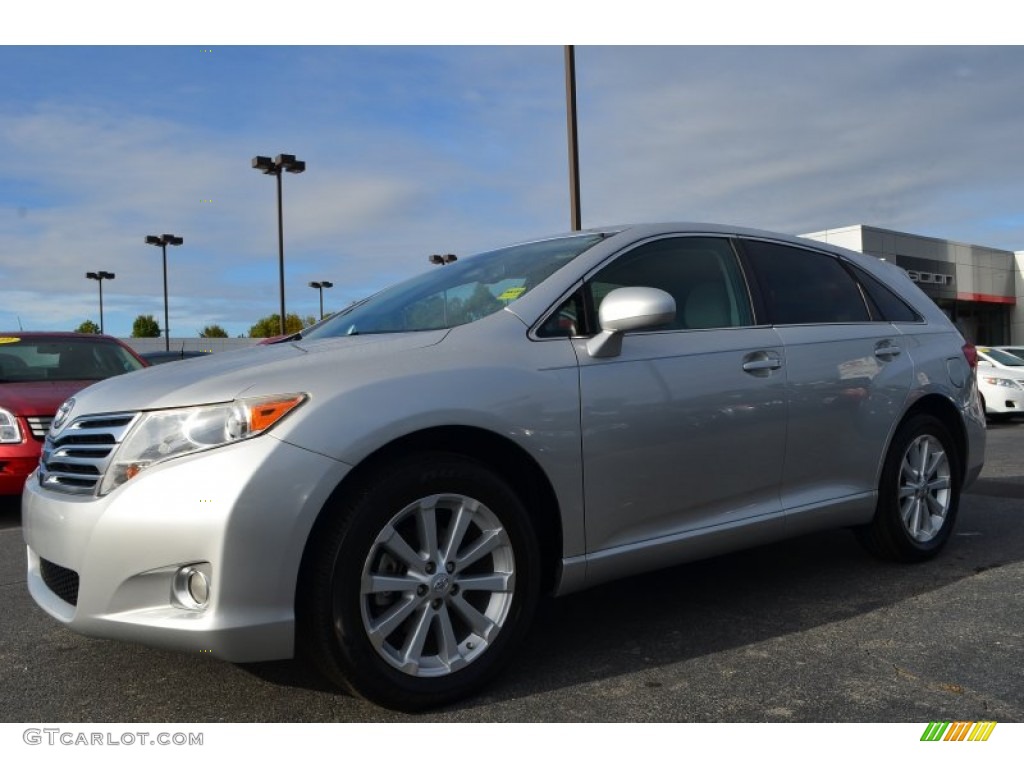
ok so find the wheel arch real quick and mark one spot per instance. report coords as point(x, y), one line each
point(499, 454)
point(945, 411)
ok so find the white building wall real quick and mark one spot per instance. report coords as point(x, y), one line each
point(1017, 317)
point(851, 237)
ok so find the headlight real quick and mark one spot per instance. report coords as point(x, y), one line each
point(10, 432)
point(161, 435)
point(997, 382)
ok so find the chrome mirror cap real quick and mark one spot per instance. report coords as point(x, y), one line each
point(629, 309)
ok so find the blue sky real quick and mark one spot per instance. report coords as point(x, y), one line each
point(413, 150)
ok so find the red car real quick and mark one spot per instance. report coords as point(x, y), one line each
point(38, 372)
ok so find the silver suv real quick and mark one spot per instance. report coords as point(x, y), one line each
point(392, 493)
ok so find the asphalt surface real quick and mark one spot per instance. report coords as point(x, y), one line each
point(811, 630)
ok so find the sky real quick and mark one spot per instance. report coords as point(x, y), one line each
point(419, 149)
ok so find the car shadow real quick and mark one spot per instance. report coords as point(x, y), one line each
point(699, 609)
point(705, 608)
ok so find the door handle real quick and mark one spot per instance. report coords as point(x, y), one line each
point(886, 350)
point(762, 363)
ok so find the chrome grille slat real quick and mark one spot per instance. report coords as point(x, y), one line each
point(75, 459)
point(70, 470)
point(39, 425)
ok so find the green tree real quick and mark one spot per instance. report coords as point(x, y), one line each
point(145, 327)
point(213, 332)
point(271, 325)
point(88, 327)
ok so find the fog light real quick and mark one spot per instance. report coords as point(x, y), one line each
point(191, 587)
point(198, 587)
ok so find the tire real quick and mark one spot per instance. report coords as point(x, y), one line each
point(918, 493)
point(383, 611)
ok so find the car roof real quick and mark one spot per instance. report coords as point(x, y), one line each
point(56, 335)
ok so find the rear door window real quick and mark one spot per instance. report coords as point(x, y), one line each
point(801, 286)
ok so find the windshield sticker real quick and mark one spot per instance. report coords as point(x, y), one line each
point(512, 293)
point(8, 340)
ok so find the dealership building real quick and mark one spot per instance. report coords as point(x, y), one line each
point(980, 288)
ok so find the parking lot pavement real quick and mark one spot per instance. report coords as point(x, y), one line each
point(811, 630)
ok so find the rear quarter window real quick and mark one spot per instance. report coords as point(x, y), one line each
point(885, 304)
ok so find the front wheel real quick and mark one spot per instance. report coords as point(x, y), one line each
point(918, 494)
point(423, 584)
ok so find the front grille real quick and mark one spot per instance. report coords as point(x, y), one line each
point(63, 582)
point(75, 459)
point(39, 425)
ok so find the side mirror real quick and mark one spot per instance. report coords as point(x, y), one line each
point(981, 363)
point(629, 309)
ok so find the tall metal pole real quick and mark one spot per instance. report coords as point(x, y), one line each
point(163, 241)
point(100, 281)
point(167, 326)
point(99, 276)
point(280, 246)
point(275, 167)
point(574, 155)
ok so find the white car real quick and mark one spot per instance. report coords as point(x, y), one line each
point(1016, 351)
point(995, 357)
point(1000, 382)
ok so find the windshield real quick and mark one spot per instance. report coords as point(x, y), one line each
point(1001, 357)
point(457, 293)
point(60, 358)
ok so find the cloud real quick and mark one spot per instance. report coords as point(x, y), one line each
point(413, 151)
point(796, 139)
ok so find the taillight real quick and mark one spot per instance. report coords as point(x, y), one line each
point(971, 354)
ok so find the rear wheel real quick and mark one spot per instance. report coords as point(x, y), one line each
point(424, 584)
point(918, 495)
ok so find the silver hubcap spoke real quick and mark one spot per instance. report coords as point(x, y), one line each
point(495, 582)
point(413, 647)
point(374, 584)
point(450, 655)
point(483, 546)
point(394, 617)
point(481, 625)
point(925, 488)
point(426, 527)
point(437, 585)
point(398, 547)
point(463, 518)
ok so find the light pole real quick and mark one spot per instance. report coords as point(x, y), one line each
point(320, 285)
point(100, 277)
point(163, 241)
point(441, 260)
point(274, 168)
point(574, 152)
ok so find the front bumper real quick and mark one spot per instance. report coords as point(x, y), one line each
point(13, 471)
point(240, 513)
point(17, 462)
point(1004, 399)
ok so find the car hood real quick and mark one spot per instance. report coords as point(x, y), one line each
point(258, 370)
point(1001, 373)
point(37, 398)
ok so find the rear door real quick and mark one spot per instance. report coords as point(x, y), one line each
point(848, 373)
